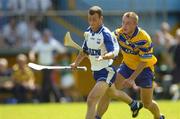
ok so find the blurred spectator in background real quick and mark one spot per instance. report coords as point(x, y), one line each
point(44, 48)
point(175, 50)
point(22, 31)
point(163, 41)
point(67, 81)
point(33, 5)
point(17, 5)
point(0, 4)
point(45, 5)
point(22, 6)
point(6, 84)
point(10, 33)
point(2, 42)
point(165, 38)
point(28, 33)
point(23, 79)
point(33, 33)
point(55, 4)
point(38, 5)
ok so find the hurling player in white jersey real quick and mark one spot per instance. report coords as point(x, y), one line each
point(101, 47)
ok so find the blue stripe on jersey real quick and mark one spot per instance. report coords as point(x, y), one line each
point(89, 28)
point(122, 38)
point(135, 32)
point(141, 42)
point(98, 31)
point(108, 41)
point(89, 51)
point(132, 45)
point(129, 51)
point(146, 49)
point(94, 52)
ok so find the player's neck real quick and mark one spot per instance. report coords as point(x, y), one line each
point(130, 35)
point(97, 29)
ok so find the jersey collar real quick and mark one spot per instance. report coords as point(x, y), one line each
point(135, 32)
point(99, 30)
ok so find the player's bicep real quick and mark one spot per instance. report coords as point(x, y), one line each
point(108, 42)
point(146, 51)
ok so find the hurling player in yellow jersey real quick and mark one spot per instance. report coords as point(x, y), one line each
point(137, 67)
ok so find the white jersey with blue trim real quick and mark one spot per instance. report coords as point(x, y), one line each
point(97, 44)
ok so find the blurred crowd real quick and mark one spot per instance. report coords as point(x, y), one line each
point(18, 33)
point(167, 50)
point(23, 6)
point(20, 84)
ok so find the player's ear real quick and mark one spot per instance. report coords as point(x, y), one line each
point(135, 23)
point(101, 18)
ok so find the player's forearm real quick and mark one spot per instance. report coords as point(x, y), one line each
point(80, 57)
point(109, 55)
point(138, 70)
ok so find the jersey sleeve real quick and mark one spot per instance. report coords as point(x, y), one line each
point(111, 43)
point(117, 33)
point(116, 46)
point(108, 41)
point(145, 49)
point(84, 47)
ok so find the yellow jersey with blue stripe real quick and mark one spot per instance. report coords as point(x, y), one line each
point(137, 48)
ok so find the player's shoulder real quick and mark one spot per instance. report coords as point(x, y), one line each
point(143, 34)
point(105, 32)
point(105, 29)
point(87, 32)
point(142, 39)
point(88, 29)
point(118, 31)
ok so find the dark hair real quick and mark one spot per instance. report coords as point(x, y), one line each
point(96, 9)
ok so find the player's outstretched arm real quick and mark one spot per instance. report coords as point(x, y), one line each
point(78, 60)
point(106, 56)
point(138, 70)
point(130, 81)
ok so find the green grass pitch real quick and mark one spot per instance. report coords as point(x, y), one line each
point(77, 111)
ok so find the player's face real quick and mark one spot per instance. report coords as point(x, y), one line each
point(128, 25)
point(95, 21)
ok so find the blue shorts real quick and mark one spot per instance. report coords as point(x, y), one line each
point(106, 74)
point(144, 79)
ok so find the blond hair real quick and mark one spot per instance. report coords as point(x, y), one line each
point(132, 15)
point(21, 57)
